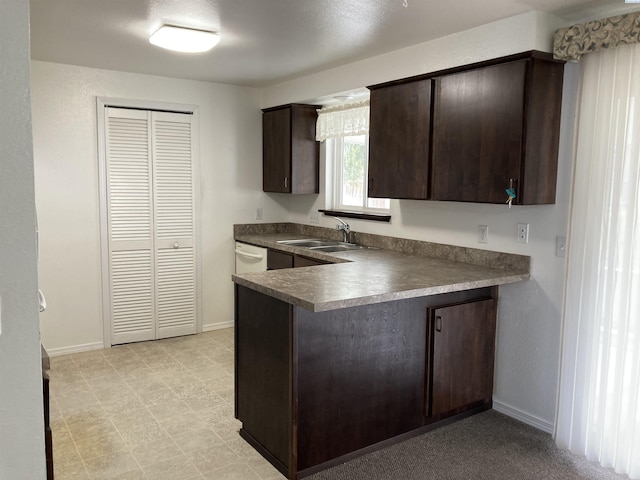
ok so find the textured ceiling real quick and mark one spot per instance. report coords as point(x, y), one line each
point(263, 41)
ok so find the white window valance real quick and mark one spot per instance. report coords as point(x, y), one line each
point(343, 120)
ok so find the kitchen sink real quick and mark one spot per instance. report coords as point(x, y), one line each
point(309, 242)
point(320, 245)
point(339, 247)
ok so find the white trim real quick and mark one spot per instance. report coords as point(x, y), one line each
point(216, 326)
point(56, 352)
point(101, 104)
point(336, 150)
point(522, 416)
point(104, 201)
point(197, 205)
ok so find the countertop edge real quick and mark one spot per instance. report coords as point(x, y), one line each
point(379, 298)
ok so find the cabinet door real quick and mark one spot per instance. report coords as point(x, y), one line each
point(399, 140)
point(461, 357)
point(263, 396)
point(300, 261)
point(305, 150)
point(278, 260)
point(478, 133)
point(276, 150)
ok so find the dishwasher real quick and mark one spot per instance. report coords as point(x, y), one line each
point(250, 258)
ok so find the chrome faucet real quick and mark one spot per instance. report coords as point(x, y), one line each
point(346, 230)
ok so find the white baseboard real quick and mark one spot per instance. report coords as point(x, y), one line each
point(55, 352)
point(524, 417)
point(217, 326)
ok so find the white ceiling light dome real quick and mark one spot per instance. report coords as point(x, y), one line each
point(183, 39)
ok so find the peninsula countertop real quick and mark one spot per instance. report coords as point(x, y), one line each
point(374, 275)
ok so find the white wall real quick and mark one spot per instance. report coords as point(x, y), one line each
point(529, 31)
point(529, 318)
point(65, 149)
point(21, 411)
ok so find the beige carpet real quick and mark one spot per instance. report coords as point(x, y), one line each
point(488, 446)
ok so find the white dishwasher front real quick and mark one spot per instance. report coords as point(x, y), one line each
point(250, 258)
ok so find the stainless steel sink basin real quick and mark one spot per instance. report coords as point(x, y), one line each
point(337, 248)
point(341, 247)
point(320, 245)
point(309, 242)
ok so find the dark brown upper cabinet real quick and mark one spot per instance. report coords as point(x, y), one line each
point(290, 153)
point(497, 127)
point(399, 134)
point(469, 133)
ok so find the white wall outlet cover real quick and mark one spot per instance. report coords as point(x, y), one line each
point(259, 213)
point(315, 217)
point(522, 235)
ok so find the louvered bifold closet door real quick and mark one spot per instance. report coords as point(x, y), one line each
point(130, 225)
point(175, 258)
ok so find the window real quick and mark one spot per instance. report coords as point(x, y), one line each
point(350, 161)
point(345, 128)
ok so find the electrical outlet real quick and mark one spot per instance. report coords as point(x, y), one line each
point(483, 234)
point(315, 217)
point(523, 233)
point(561, 246)
point(259, 213)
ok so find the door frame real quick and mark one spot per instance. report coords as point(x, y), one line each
point(101, 105)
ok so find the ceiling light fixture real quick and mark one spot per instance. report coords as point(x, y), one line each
point(181, 39)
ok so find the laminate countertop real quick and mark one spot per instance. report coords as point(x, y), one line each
point(374, 275)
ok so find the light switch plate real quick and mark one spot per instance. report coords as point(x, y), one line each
point(259, 213)
point(483, 234)
point(561, 246)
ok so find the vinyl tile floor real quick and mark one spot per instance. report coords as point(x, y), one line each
point(151, 411)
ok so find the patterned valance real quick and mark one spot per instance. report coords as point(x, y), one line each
point(570, 43)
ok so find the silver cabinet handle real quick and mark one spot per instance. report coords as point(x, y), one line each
point(285, 182)
point(176, 244)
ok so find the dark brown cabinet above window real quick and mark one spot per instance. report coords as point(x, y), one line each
point(485, 128)
point(290, 153)
point(399, 144)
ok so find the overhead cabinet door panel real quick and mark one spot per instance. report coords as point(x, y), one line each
point(276, 151)
point(399, 141)
point(478, 133)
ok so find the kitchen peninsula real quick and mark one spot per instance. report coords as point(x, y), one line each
point(382, 344)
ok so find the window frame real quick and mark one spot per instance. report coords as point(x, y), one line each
point(337, 150)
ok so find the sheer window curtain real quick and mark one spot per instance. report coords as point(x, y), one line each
point(343, 120)
point(599, 394)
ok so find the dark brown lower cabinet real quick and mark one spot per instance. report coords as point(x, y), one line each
point(48, 436)
point(317, 388)
point(461, 356)
point(278, 260)
point(300, 261)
